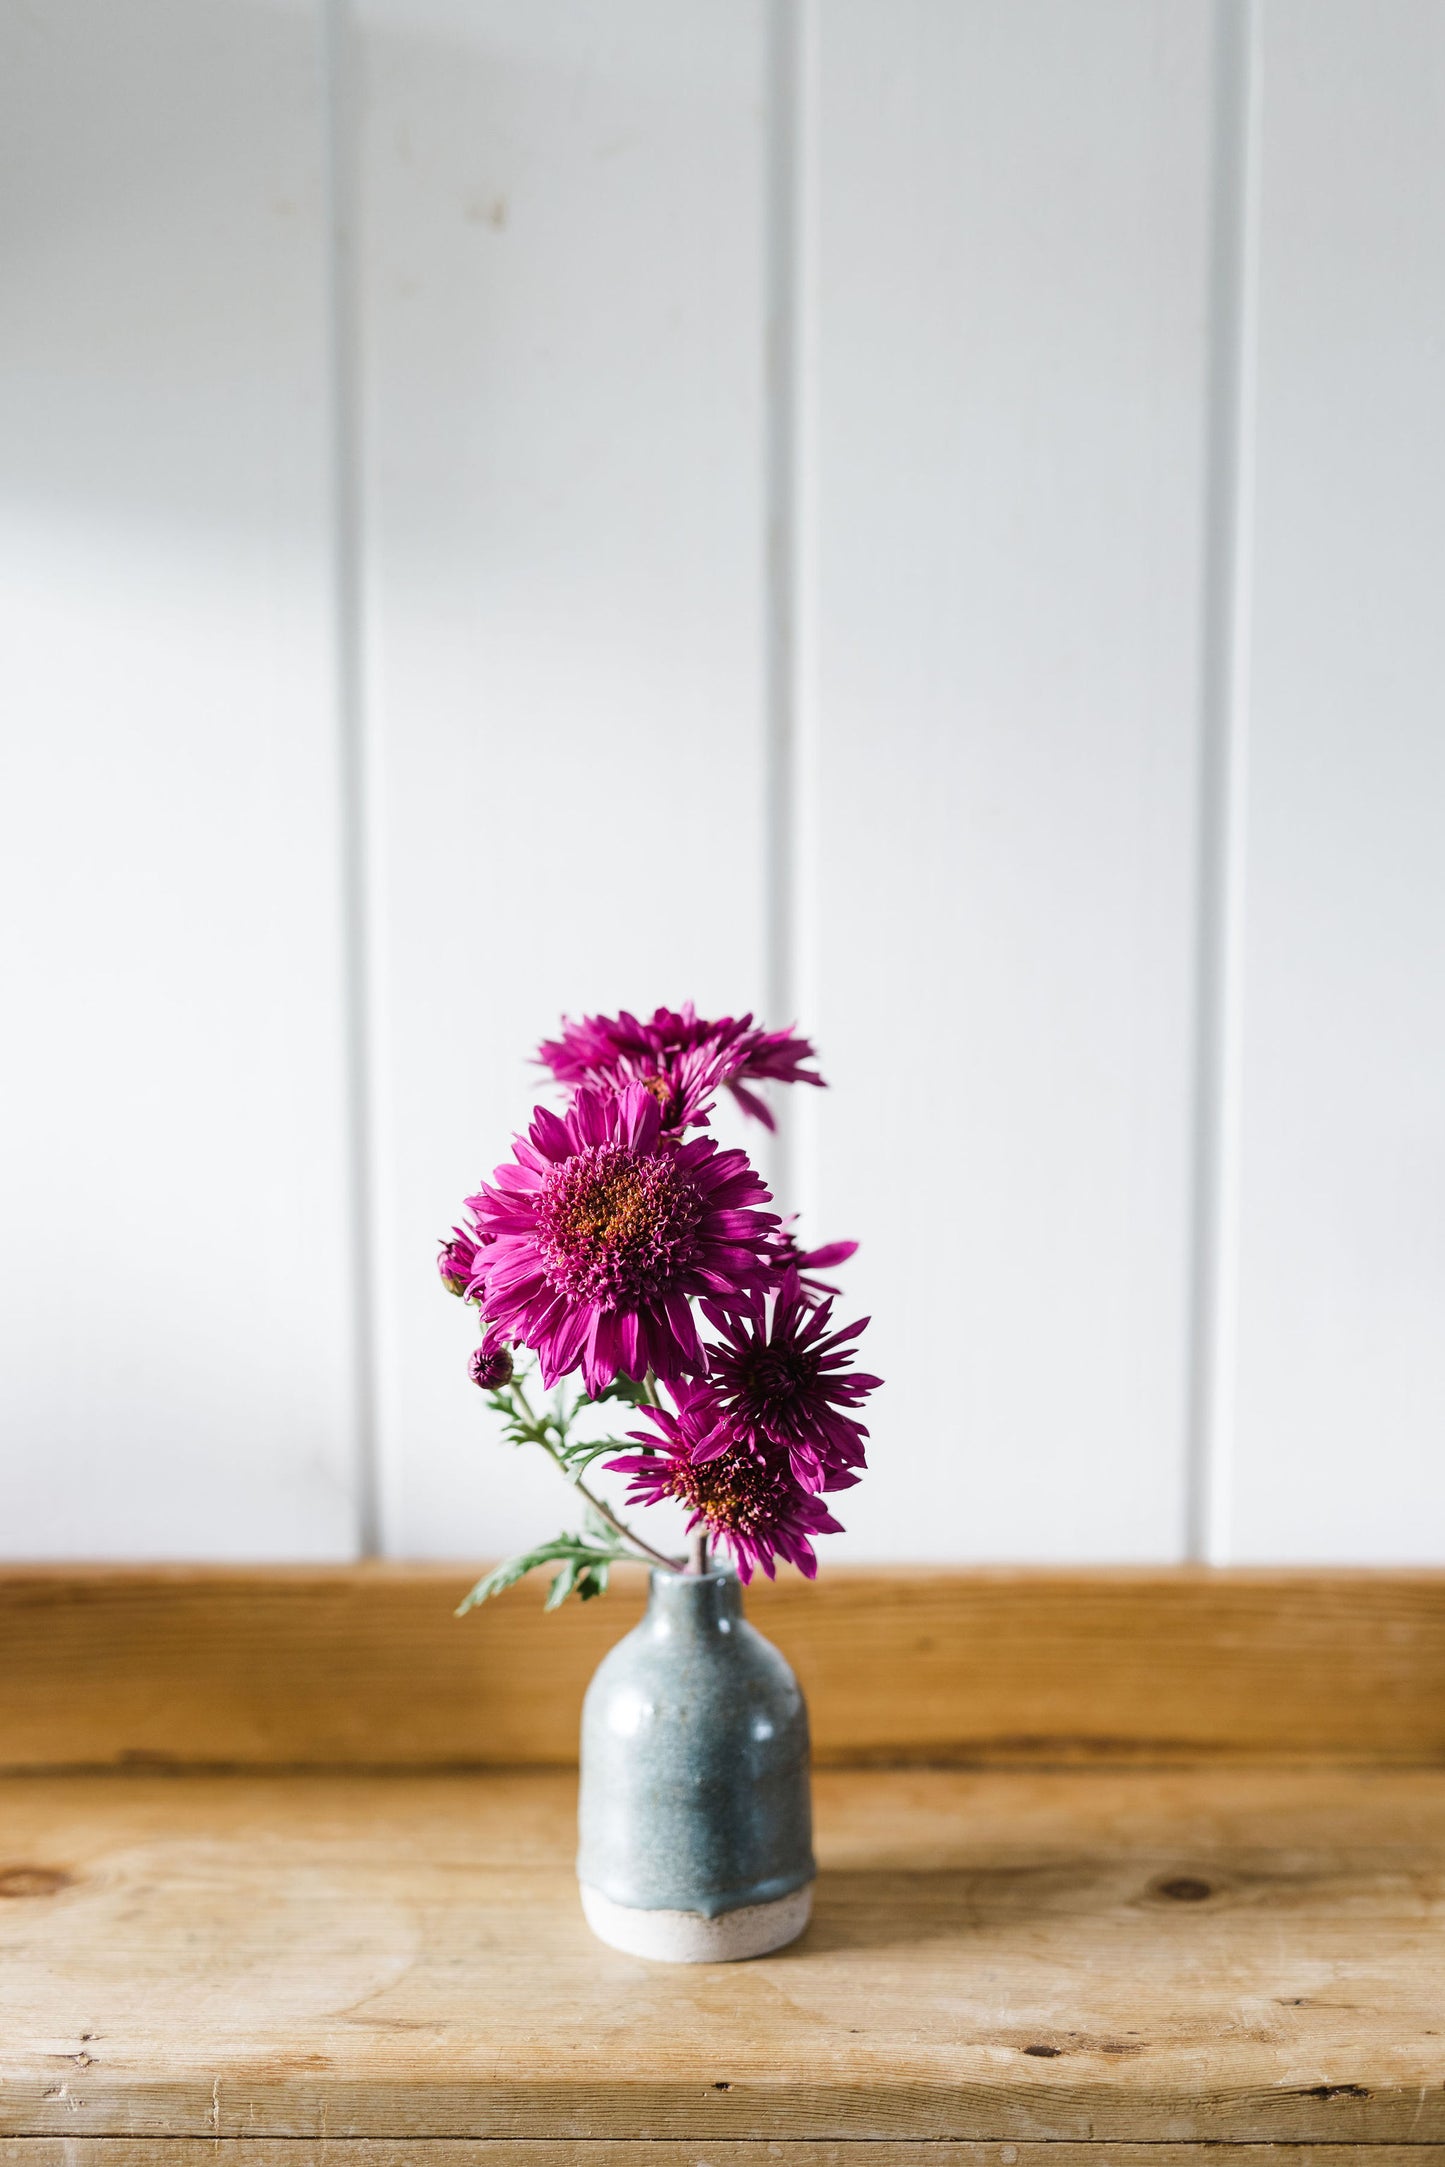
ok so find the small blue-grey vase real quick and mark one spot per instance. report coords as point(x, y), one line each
point(696, 1819)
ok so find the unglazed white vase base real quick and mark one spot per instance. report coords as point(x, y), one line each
point(686, 1937)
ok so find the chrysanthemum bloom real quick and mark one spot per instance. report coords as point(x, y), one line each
point(685, 1085)
point(785, 1384)
point(457, 1262)
point(751, 1505)
point(491, 1365)
point(588, 1051)
point(680, 1055)
point(602, 1229)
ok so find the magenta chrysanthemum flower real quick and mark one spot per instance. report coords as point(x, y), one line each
point(753, 1506)
point(457, 1262)
point(685, 1085)
point(602, 1229)
point(587, 1052)
point(785, 1384)
point(681, 1057)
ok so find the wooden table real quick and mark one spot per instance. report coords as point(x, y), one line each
point(389, 1966)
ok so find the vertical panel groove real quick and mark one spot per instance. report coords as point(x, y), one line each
point(793, 392)
point(807, 720)
point(780, 464)
point(340, 180)
point(1224, 702)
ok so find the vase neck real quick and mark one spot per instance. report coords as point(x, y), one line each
point(695, 1604)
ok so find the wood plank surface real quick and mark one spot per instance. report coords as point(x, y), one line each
point(367, 1665)
point(612, 2152)
point(1088, 1955)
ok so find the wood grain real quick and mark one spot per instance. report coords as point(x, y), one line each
point(1107, 1955)
point(367, 1665)
point(607, 2152)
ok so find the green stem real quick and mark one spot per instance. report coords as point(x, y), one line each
point(603, 1511)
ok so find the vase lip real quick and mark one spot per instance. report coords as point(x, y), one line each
point(715, 1576)
point(690, 1601)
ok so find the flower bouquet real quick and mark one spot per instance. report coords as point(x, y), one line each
point(622, 1261)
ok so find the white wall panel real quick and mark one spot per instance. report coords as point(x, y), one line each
point(1003, 434)
point(654, 387)
point(562, 298)
point(175, 1255)
point(1341, 1392)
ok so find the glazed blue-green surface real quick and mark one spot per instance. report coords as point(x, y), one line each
point(695, 1792)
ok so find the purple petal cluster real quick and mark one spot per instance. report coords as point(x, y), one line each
point(809, 1262)
point(769, 1057)
point(752, 1448)
point(784, 1382)
point(610, 1226)
point(602, 1230)
point(750, 1504)
point(682, 1058)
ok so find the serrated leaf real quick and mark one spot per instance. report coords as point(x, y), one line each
point(578, 1556)
point(576, 1459)
point(562, 1585)
point(632, 1391)
point(601, 1535)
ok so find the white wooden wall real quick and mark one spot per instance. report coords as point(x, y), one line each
point(923, 515)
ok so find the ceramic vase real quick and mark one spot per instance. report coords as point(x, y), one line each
point(695, 1810)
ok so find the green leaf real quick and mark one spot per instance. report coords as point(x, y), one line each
point(562, 1585)
point(584, 1561)
point(599, 1534)
point(575, 1578)
point(631, 1390)
point(576, 1459)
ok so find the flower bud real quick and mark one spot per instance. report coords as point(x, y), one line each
point(457, 1262)
point(490, 1367)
